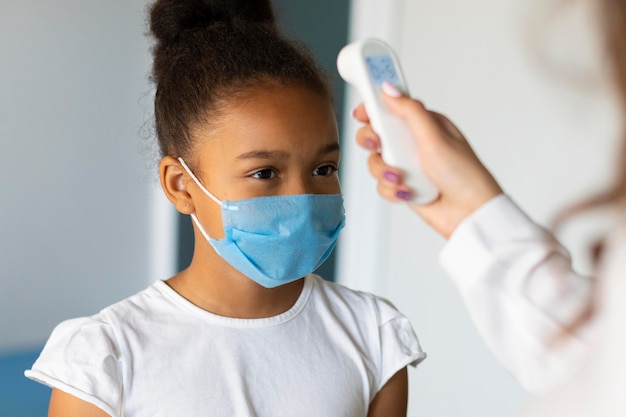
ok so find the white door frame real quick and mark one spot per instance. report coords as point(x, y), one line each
point(362, 247)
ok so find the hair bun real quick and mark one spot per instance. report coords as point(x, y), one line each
point(170, 18)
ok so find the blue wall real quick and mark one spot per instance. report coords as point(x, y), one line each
point(21, 397)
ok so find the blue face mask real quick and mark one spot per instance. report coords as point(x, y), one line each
point(277, 239)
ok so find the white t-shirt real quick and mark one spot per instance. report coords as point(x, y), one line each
point(156, 354)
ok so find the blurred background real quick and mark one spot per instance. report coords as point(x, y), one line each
point(83, 222)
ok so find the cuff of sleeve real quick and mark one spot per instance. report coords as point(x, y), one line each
point(400, 348)
point(470, 249)
point(52, 382)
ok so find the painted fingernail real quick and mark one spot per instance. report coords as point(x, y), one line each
point(391, 177)
point(369, 144)
point(391, 90)
point(403, 195)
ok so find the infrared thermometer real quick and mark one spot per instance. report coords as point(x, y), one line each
point(366, 65)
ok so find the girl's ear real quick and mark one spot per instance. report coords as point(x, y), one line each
point(174, 183)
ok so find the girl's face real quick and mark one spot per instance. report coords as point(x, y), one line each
point(278, 141)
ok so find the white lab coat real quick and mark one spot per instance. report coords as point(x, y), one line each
point(522, 295)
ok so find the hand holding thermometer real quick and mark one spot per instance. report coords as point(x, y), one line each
point(366, 65)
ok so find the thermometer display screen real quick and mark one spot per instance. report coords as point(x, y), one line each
point(381, 69)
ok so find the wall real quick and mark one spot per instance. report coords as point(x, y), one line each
point(76, 179)
point(77, 186)
point(548, 137)
point(80, 206)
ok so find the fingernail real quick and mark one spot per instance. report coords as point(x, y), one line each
point(391, 177)
point(391, 90)
point(369, 144)
point(354, 113)
point(403, 195)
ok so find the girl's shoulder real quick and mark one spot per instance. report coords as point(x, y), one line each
point(84, 356)
point(103, 329)
point(364, 304)
point(373, 322)
point(153, 300)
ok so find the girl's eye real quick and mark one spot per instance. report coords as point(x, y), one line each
point(264, 174)
point(325, 171)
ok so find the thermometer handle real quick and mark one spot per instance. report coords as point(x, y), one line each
point(366, 65)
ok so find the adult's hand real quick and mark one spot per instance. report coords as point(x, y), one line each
point(445, 157)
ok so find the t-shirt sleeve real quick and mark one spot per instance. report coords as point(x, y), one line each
point(399, 345)
point(82, 358)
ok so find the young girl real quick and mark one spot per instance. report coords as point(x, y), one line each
point(250, 150)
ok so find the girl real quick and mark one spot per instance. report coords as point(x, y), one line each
point(250, 150)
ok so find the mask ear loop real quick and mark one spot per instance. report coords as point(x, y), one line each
point(197, 181)
point(199, 184)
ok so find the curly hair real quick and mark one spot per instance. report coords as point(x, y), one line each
point(209, 51)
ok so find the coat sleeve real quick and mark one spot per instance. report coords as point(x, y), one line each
point(521, 292)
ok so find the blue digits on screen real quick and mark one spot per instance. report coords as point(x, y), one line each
point(381, 69)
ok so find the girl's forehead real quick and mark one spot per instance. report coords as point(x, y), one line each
point(272, 118)
point(266, 97)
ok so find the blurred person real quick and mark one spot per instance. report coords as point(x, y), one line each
point(560, 333)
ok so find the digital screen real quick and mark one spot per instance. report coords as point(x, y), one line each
point(381, 69)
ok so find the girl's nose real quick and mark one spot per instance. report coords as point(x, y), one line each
point(300, 186)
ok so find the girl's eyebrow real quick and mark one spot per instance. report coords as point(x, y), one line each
point(260, 154)
point(330, 148)
point(263, 155)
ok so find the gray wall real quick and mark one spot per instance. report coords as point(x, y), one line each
point(77, 189)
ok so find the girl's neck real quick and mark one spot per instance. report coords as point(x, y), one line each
point(213, 285)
